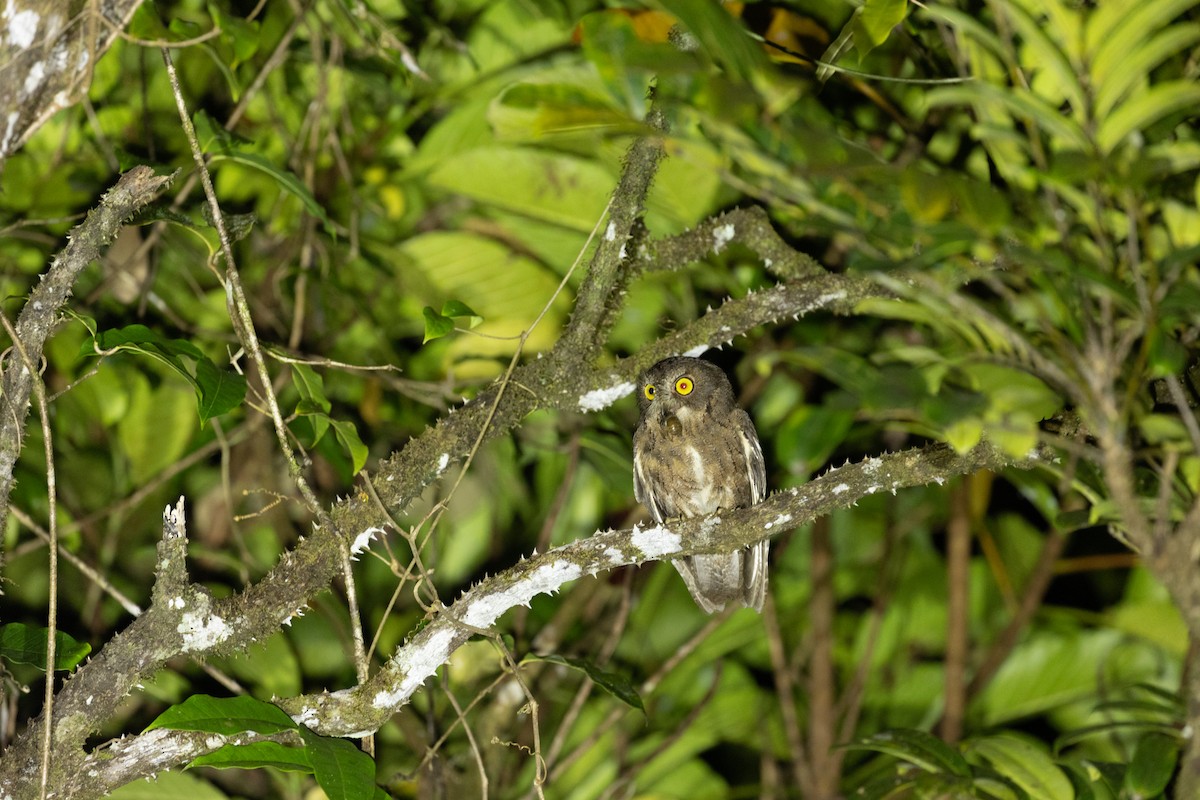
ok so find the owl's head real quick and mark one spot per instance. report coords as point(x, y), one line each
point(682, 382)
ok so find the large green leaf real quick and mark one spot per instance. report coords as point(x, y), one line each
point(1024, 763)
point(1020, 103)
point(919, 748)
point(1120, 28)
point(1137, 64)
point(158, 427)
point(508, 290)
point(224, 715)
point(343, 771)
point(556, 187)
point(1046, 53)
point(1146, 108)
point(26, 644)
point(256, 755)
point(876, 22)
point(615, 683)
point(218, 391)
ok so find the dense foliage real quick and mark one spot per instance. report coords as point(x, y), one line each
point(406, 186)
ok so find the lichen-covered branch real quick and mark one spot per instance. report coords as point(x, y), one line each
point(749, 227)
point(46, 59)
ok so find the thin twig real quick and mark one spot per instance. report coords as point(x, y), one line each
point(243, 323)
point(39, 393)
point(785, 690)
point(821, 691)
point(958, 563)
point(132, 608)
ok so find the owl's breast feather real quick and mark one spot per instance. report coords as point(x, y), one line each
point(710, 493)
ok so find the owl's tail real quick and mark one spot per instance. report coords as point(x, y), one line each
point(715, 580)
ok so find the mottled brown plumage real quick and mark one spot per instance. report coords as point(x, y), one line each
point(694, 453)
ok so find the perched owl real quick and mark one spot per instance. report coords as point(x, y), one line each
point(695, 452)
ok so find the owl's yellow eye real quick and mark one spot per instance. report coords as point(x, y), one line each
point(649, 391)
point(683, 386)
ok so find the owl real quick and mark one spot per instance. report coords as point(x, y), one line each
point(694, 453)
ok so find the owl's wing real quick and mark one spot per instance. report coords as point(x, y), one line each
point(641, 487)
point(755, 464)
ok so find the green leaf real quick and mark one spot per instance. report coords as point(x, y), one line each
point(343, 771)
point(1145, 109)
point(220, 390)
point(224, 715)
point(1024, 763)
point(209, 133)
point(1046, 52)
point(876, 22)
point(286, 180)
point(311, 386)
point(455, 308)
point(615, 683)
point(436, 325)
point(146, 24)
point(157, 426)
point(217, 391)
point(26, 644)
point(1019, 103)
point(916, 747)
point(530, 111)
point(140, 339)
point(241, 35)
point(238, 226)
point(347, 435)
point(843, 42)
point(564, 189)
point(507, 289)
point(255, 755)
point(1137, 64)
point(169, 785)
point(313, 403)
point(1152, 765)
point(1116, 30)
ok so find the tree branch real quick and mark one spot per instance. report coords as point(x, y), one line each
point(46, 60)
point(362, 709)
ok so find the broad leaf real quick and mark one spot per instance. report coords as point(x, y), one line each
point(224, 715)
point(342, 770)
point(26, 644)
point(255, 755)
point(1024, 763)
point(436, 325)
point(220, 390)
point(615, 683)
point(916, 747)
point(347, 436)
